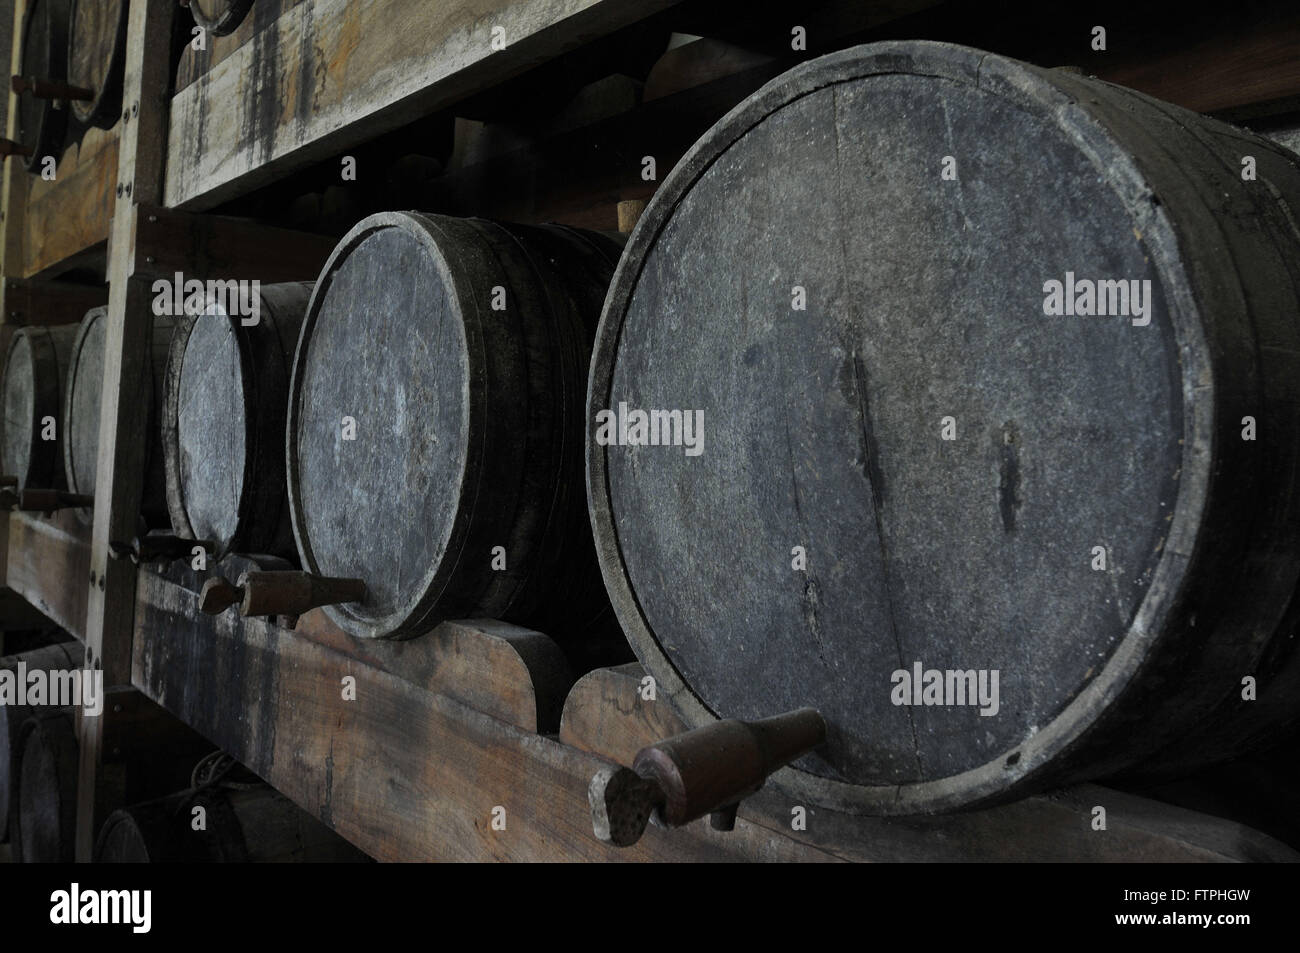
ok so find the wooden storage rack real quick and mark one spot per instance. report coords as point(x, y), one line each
point(478, 715)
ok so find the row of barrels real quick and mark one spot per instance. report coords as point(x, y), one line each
point(220, 814)
point(926, 443)
point(71, 64)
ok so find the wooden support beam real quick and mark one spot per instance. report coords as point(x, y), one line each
point(48, 302)
point(334, 73)
point(120, 470)
point(396, 766)
point(13, 180)
point(168, 241)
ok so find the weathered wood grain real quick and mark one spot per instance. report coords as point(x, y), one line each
point(334, 73)
point(917, 553)
point(403, 772)
point(34, 379)
point(49, 565)
point(96, 56)
point(606, 714)
point(194, 63)
point(458, 350)
point(122, 445)
point(71, 215)
point(214, 247)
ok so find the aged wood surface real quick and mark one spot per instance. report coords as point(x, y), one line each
point(48, 564)
point(607, 714)
point(333, 73)
point(96, 56)
point(124, 416)
point(274, 700)
point(72, 214)
point(830, 434)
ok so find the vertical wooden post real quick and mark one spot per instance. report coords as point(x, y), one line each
point(13, 188)
point(110, 613)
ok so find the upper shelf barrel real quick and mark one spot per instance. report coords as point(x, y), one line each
point(97, 59)
point(996, 368)
point(435, 423)
point(81, 412)
point(43, 123)
point(220, 17)
point(32, 392)
point(223, 414)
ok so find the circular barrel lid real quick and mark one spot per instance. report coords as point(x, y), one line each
point(82, 403)
point(96, 59)
point(906, 471)
point(380, 417)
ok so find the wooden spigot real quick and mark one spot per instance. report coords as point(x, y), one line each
point(50, 89)
point(47, 501)
point(218, 595)
point(279, 593)
point(164, 546)
point(709, 770)
point(10, 148)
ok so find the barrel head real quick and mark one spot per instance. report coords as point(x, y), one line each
point(19, 410)
point(906, 466)
point(82, 403)
point(379, 424)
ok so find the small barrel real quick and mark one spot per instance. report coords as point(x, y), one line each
point(220, 17)
point(53, 658)
point(227, 386)
point(97, 58)
point(44, 819)
point(43, 123)
point(35, 377)
point(81, 413)
point(995, 368)
point(435, 423)
point(241, 825)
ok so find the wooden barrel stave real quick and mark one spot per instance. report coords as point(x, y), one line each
point(97, 59)
point(43, 822)
point(33, 386)
point(41, 126)
point(52, 658)
point(220, 17)
point(243, 825)
point(80, 419)
point(1203, 600)
point(453, 473)
point(232, 395)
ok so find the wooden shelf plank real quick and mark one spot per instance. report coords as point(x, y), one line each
point(48, 564)
point(333, 73)
point(402, 771)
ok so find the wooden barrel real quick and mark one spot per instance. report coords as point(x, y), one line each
point(97, 59)
point(43, 822)
point(220, 17)
point(434, 442)
point(53, 658)
point(43, 124)
point(35, 376)
point(227, 386)
point(996, 368)
point(81, 412)
point(242, 825)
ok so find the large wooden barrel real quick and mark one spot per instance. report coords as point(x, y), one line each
point(44, 818)
point(97, 59)
point(53, 658)
point(434, 441)
point(240, 825)
point(942, 442)
point(35, 376)
point(220, 17)
point(81, 412)
point(227, 386)
point(43, 123)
